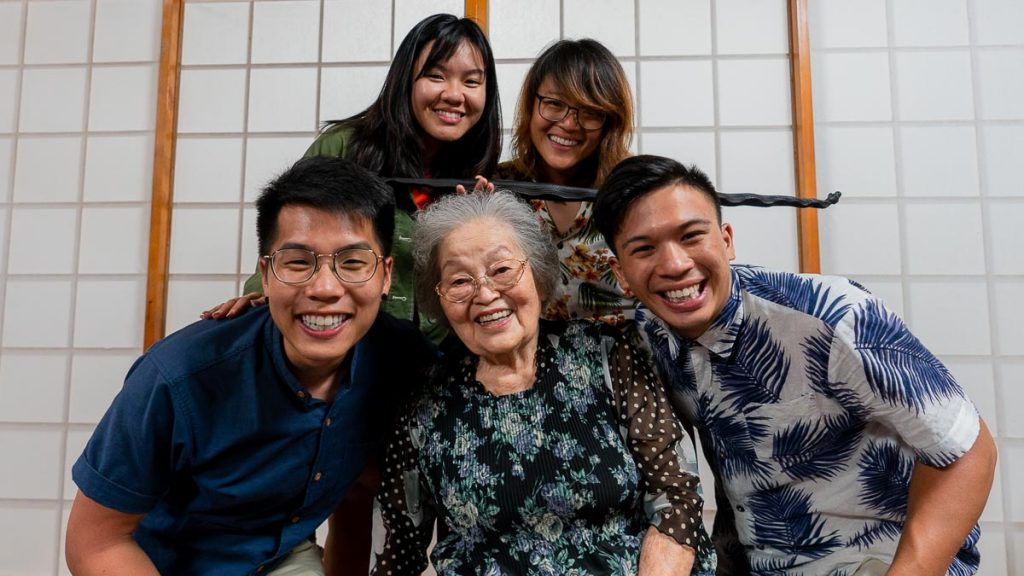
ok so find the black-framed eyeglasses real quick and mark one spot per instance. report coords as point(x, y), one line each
point(554, 110)
point(298, 265)
point(502, 275)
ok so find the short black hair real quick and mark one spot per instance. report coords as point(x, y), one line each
point(638, 176)
point(330, 184)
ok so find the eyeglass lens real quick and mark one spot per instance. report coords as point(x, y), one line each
point(501, 275)
point(555, 110)
point(296, 265)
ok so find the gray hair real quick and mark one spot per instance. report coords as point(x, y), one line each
point(450, 212)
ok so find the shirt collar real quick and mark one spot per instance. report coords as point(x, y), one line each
point(719, 338)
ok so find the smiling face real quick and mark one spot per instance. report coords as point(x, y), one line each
point(674, 256)
point(449, 98)
point(322, 319)
point(491, 324)
point(561, 146)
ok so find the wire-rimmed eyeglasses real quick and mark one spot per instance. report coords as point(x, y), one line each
point(501, 275)
point(298, 265)
point(554, 110)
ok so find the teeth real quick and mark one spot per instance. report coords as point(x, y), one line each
point(446, 115)
point(562, 141)
point(684, 294)
point(495, 316)
point(314, 322)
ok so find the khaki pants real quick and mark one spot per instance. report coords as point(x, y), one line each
point(304, 560)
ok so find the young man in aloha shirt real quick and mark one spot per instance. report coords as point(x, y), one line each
point(839, 444)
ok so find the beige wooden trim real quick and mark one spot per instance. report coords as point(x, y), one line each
point(477, 10)
point(163, 172)
point(803, 135)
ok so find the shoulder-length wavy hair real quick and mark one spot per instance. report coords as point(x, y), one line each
point(588, 75)
point(386, 135)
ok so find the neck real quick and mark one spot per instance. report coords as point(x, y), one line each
point(320, 383)
point(428, 150)
point(580, 175)
point(509, 373)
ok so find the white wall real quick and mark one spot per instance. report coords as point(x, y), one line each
point(77, 93)
point(919, 107)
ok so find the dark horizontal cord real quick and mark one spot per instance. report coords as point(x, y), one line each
point(534, 190)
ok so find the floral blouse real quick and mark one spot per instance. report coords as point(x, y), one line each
point(541, 481)
point(588, 287)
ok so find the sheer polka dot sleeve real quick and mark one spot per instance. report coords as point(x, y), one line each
point(406, 510)
point(658, 444)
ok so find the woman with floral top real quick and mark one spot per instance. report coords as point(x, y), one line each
point(573, 123)
point(537, 444)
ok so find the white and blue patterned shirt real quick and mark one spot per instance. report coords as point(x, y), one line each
point(813, 403)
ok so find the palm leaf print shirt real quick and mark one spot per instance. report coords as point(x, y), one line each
point(542, 481)
point(813, 404)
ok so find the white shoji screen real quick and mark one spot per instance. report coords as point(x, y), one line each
point(919, 109)
point(77, 95)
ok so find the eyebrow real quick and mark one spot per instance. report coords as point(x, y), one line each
point(645, 238)
point(363, 245)
point(487, 256)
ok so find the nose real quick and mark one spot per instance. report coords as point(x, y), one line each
point(484, 283)
point(325, 285)
point(673, 260)
point(452, 93)
point(571, 120)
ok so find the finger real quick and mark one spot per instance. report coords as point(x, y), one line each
point(460, 189)
point(239, 306)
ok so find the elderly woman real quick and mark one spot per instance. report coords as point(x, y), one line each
point(536, 444)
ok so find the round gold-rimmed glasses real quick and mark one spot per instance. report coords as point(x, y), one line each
point(500, 276)
point(298, 265)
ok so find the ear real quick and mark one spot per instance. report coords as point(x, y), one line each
point(264, 268)
point(386, 266)
point(730, 249)
point(617, 270)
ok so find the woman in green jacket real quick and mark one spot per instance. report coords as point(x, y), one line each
point(437, 115)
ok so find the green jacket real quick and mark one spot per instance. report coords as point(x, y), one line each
point(400, 302)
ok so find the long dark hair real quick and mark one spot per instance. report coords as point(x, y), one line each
point(386, 136)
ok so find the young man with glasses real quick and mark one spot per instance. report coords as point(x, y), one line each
point(232, 441)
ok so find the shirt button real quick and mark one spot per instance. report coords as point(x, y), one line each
point(327, 422)
point(301, 394)
point(317, 477)
point(741, 509)
point(295, 519)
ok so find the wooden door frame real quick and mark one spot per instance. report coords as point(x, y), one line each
point(166, 132)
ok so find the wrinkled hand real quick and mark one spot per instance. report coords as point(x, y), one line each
point(482, 184)
point(234, 306)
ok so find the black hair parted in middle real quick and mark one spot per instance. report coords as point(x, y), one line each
point(330, 184)
point(387, 139)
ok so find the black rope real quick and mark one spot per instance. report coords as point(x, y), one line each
point(534, 190)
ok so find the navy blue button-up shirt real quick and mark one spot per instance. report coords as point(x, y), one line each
point(233, 463)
